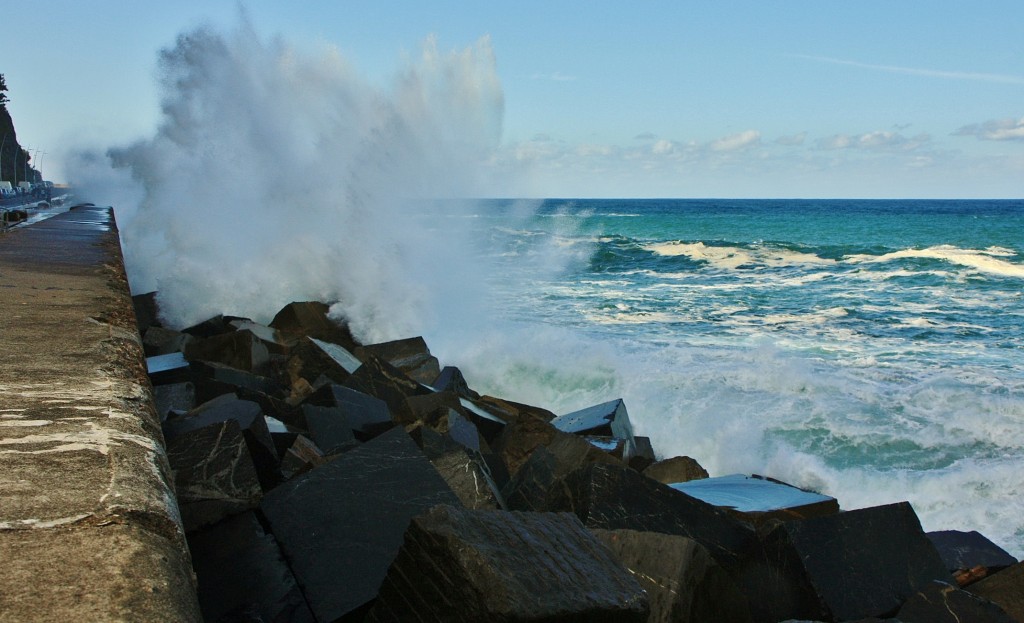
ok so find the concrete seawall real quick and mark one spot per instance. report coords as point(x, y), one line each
point(89, 527)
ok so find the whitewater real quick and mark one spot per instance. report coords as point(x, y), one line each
point(869, 350)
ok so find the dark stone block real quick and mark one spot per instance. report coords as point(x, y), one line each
point(432, 408)
point(489, 425)
point(282, 410)
point(329, 428)
point(463, 431)
point(211, 377)
point(676, 469)
point(239, 349)
point(302, 456)
point(682, 580)
point(169, 368)
point(519, 439)
point(273, 339)
point(313, 359)
point(147, 312)
point(1005, 588)
point(860, 563)
point(174, 397)
point(161, 341)
point(213, 474)
point(410, 355)
point(462, 565)
point(380, 379)
point(283, 441)
point(510, 411)
point(469, 477)
point(250, 419)
point(366, 416)
point(608, 419)
point(341, 524)
point(643, 456)
point(309, 319)
point(239, 568)
point(966, 550)
point(938, 602)
point(615, 497)
point(218, 325)
point(531, 487)
point(451, 379)
point(758, 499)
point(611, 445)
point(432, 443)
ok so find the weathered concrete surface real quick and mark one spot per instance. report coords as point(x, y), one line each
point(89, 529)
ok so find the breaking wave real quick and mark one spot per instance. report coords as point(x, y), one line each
point(280, 175)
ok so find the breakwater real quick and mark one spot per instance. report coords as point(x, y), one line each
point(89, 527)
point(322, 479)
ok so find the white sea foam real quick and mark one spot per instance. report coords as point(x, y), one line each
point(726, 257)
point(983, 261)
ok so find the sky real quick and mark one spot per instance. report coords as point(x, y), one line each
point(605, 99)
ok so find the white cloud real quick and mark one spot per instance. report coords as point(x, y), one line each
point(874, 141)
point(995, 130)
point(662, 147)
point(916, 71)
point(734, 142)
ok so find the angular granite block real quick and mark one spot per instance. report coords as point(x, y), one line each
point(239, 566)
point(860, 563)
point(366, 416)
point(341, 524)
point(462, 565)
point(214, 476)
point(966, 550)
point(683, 582)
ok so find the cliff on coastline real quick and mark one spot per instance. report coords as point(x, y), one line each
point(14, 160)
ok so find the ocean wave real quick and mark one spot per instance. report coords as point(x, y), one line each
point(732, 257)
point(985, 261)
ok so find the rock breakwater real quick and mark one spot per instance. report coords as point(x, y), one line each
point(321, 479)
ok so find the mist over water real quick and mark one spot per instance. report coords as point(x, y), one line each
point(279, 175)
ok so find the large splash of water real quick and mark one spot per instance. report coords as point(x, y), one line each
point(278, 175)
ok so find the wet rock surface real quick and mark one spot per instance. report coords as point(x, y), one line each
point(858, 564)
point(938, 602)
point(1005, 588)
point(390, 495)
point(214, 475)
point(239, 566)
point(682, 580)
point(340, 525)
point(462, 565)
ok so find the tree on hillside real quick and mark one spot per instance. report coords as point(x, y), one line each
point(3, 87)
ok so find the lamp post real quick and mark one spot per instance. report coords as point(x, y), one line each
point(2, 144)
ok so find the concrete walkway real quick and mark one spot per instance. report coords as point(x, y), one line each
point(89, 529)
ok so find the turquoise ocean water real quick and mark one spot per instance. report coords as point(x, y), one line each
point(872, 350)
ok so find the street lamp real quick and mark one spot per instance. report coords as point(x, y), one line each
point(2, 144)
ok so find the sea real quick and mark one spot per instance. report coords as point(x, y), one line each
point(871, 350)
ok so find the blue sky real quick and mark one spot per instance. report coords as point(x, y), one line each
point(682, 99)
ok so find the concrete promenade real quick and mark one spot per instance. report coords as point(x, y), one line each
point(89, 528)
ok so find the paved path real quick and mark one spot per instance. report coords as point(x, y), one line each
point(89, 529)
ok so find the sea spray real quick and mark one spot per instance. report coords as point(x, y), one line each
point(869, 350)
point(277, 175)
